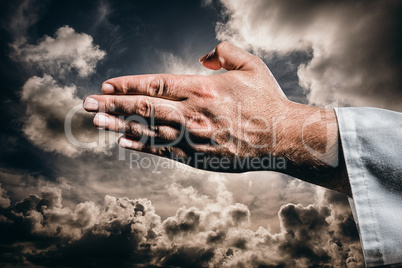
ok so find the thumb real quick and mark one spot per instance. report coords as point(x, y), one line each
point(227, 56)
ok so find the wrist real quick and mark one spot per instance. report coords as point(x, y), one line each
point(309, 141)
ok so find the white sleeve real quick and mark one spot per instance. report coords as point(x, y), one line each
point(372, 146)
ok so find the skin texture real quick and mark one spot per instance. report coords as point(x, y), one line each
point(241, 114)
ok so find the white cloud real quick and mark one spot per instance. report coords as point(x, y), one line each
point(355, 56)
point(65, 52)
point(186, 195)
point(182, 65)
point(48, 101)
point(47, 107)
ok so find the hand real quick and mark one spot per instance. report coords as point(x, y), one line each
point(230, 122)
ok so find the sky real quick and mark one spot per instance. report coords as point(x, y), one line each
point(62, 205)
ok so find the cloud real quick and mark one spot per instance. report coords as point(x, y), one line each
point(126, 232)
point(186, 195)
point(47, 107)
point(193, 220)
point(49, 99)
point(354, 45)
point(65, 52)
point(265, 192)
point(182, 65)
point(48, 96)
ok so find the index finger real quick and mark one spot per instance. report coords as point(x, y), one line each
point(168, 86)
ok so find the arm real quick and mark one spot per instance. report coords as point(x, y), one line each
point(223, 122)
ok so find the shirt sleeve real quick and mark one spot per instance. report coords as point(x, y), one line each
point(372, 145)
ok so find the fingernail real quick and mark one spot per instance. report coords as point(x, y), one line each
point(102, 120)
point(91, 104)
point(107, 88)
point(206, 56)
point(125, 143)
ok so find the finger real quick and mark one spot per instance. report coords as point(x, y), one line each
point(164, 151)
point(135, 129)
point(229, 57)
point(160, 109)
point(167, 86)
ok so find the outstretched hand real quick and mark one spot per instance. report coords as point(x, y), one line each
point(231, 122)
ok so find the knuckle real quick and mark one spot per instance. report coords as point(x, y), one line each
point(205, 91)
point(196, 120)
point(167, 133)
point(134, 129)
point(124, 86)
point(150, 131)
point(120, 126)
point(111, 105)
point(155, 130)
point(144, 108)
point(156, 87)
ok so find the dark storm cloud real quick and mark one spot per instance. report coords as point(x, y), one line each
point(123, 231)
point(355, 45)
point(303, 228)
